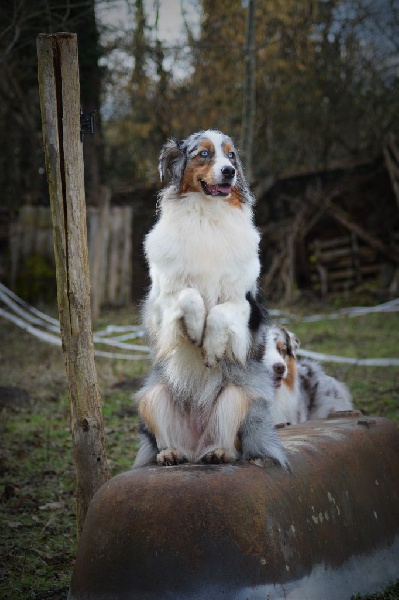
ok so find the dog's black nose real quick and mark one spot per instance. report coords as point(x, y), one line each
point(279, 368)
point(228, 172)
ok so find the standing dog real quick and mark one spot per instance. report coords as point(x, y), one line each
point(302, 389)
point(208, 397)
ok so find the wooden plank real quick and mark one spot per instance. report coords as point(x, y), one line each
point(345, 260)
point(15, 251)
point(349, 273)
point(28, 218)
point(326, 256)
point(331, 243)
point(99, 240)
point(126, 256)
point(113, 266)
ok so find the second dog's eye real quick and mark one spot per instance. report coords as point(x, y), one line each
point(204, 153)
point(231, 155)
point(283, 351)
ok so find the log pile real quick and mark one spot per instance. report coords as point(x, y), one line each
point(339, 249)
point(339, 264)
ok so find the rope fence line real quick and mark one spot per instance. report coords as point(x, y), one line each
point(47, 329)
point(365, 362)
point(353, 311)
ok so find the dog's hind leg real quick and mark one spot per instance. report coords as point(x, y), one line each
point(147, 452)
point(219, 442)
point(166, 424)
point(259, 438)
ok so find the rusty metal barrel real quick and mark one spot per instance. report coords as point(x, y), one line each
point(324, 531)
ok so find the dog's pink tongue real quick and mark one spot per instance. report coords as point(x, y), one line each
point(219, 189)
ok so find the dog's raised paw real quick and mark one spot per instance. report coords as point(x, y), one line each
point(170, 457)
point(193, 314)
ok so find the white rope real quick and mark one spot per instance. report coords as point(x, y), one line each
point(352, 311)
point(15, 303)
point(56, 340)
point(367, 362)
point(47, 329)
point(117, 355)
point(38, 333)
point(133, 330)
point(117, 344)
point(33, 321)
point(8, 293)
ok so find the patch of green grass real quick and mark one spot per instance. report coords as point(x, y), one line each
point(37, 506)
point(367, 336)
point(375, 390)
point(37, 481)
point(391, 592)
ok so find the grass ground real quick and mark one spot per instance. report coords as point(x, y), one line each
point(37, 515)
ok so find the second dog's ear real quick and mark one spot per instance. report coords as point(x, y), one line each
point(171, 160)
point(295, 343)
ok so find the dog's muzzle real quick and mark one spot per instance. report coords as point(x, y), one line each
point(224, 187)
point(278, 374)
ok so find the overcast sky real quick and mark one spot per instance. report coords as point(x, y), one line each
point(170, 25)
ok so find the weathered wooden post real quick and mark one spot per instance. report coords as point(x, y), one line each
point(60, 107)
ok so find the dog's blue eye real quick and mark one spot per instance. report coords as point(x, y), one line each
point(231, 155)
point(204, 153)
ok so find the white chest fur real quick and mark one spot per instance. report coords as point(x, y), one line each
point(203, 243)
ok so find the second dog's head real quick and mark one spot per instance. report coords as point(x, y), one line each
point(206, 162)
point(280, 354)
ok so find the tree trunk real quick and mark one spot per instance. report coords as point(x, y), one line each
point(248, 109)
point(60, 106)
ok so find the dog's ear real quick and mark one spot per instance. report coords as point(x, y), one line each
point(294, 342)
point(242, 184)
point(172, 160)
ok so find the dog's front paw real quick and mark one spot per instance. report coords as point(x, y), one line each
point(170, 457)
point(193, 314)
point(215, 337)
point(218, 456)
point(226, 333)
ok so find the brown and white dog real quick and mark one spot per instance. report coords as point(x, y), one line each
point(303, 390)
point(209, 396)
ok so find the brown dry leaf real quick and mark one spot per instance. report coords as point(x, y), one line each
point(51, 506)
point(14, 524)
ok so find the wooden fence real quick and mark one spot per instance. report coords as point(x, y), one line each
point(109, 232)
